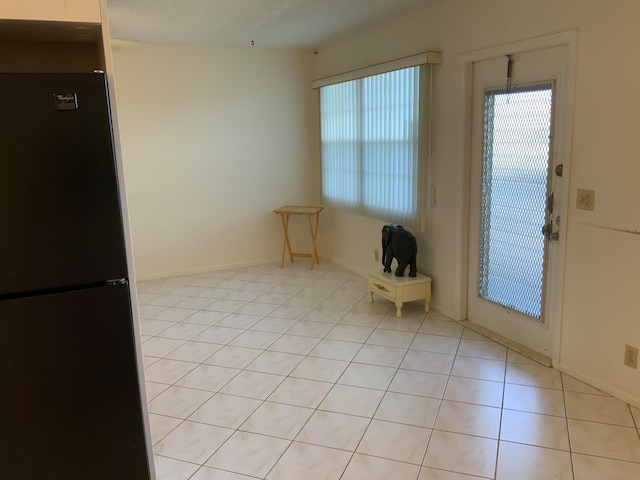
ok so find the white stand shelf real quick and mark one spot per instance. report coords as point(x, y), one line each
point(400, 289)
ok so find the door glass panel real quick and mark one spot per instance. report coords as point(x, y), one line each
point(517, 125)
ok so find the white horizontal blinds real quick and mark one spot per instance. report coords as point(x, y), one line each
point(370, 138)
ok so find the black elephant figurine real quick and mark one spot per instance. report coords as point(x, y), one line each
point(400, 243)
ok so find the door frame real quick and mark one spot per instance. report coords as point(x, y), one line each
point(562, 148)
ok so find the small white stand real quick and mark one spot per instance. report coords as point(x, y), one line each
point(400, 289)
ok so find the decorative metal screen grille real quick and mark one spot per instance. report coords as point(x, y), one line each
point(517, 126)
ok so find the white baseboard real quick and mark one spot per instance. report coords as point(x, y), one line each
point(348, 266)
point(210, 268)
point(600, 385)
point(141, 277)
point(504, 341)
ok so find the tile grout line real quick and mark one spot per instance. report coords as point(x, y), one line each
point(174, 384)
point(315, 409)
point(384, 394)
point(262, 402)
point(407, 349)
point(566, 416)
point(435, 419)
point(334, 383)
point(504, 391)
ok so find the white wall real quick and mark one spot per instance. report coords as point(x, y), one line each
point(601, 312)
point(213, 140)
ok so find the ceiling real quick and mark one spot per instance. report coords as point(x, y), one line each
point(266, 23)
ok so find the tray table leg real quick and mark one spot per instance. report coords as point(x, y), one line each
point(314, 237)
point(285, 244)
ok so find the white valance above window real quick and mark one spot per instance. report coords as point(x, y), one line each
point(426, 58)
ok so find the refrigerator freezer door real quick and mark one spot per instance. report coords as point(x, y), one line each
point(60, 218)
point(71, 406)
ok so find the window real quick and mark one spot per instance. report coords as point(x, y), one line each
point(372, 127)
point(515, 176)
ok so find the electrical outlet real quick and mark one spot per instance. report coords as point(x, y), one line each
point(631, 356)
point(376, 255)
point(586, 200)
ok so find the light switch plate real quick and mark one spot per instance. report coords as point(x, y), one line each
point(586, 200)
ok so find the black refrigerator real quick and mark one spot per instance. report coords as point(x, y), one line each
point(70, 401)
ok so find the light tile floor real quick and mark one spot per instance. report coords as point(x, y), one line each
point(291, 374)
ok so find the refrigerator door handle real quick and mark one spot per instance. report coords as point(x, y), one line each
point(117, 281)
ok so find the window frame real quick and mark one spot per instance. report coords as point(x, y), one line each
point(425, 86)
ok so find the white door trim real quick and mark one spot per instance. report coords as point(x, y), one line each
point(564, 119)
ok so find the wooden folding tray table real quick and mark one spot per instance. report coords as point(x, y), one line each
point(309, 211)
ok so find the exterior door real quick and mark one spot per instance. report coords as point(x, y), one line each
point(515, 208)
